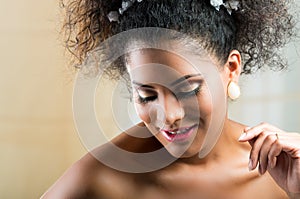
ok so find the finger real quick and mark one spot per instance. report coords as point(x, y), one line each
point(275, 151)
point(256, 147)
point(250, 133)
point(264, 152)
point(289, 143)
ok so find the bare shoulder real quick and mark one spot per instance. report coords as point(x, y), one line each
point(92, 177)
point(77, 181)
point(265, 185)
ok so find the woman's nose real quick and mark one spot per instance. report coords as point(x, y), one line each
point(172, 108)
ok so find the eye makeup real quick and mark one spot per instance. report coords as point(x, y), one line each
point(182, 91)
point(146, 95)
point(188, 89)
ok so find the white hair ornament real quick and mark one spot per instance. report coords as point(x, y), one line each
point(114, 15)
point(230, 5)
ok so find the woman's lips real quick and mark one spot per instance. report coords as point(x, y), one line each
point(181, 134)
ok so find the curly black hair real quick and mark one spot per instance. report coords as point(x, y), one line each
point(258, 29)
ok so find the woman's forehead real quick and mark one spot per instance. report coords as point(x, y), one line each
point(153, 66)
point(178, 61)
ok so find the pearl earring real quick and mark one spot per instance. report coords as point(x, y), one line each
point(233, 90)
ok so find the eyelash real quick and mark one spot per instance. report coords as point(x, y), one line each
point(180, 95)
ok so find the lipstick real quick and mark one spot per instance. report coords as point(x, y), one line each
point(179, 135)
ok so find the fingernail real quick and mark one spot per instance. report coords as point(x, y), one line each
point(247, 128)
point(242, 137)
point(250, 165)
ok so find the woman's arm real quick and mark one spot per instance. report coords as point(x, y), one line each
point(277, 152)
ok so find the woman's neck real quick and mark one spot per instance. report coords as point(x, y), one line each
point(226, 145)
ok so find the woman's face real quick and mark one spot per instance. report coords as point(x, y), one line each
point(173, 99)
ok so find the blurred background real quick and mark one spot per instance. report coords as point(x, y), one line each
point(38, 139)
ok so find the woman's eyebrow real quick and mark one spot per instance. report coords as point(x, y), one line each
point(172, 84)
point(142, 85)
point(184, 78)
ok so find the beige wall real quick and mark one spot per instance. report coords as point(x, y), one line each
point(37, 136)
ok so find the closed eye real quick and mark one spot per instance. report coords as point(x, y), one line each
point(182, 95)
point(146, 95)
point(182, 91)
point(144, 100)
point(189, 89)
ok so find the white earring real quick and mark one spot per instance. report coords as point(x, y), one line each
point(233, 90)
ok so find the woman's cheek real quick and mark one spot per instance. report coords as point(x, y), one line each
point(205, 107)
point(205, 101)
point(143, 113)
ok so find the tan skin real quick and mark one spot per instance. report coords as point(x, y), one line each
point(223, 173)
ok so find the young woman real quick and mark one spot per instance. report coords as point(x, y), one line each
point(180, 85)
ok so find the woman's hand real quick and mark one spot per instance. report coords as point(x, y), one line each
point(277, 152)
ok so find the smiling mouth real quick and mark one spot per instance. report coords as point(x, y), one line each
point(181, 134)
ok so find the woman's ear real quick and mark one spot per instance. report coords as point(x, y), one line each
point(233, 66)
point(232, 73)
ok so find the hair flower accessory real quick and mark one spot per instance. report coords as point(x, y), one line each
point(114, 15)
point(216, 4)
point(230, 5)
